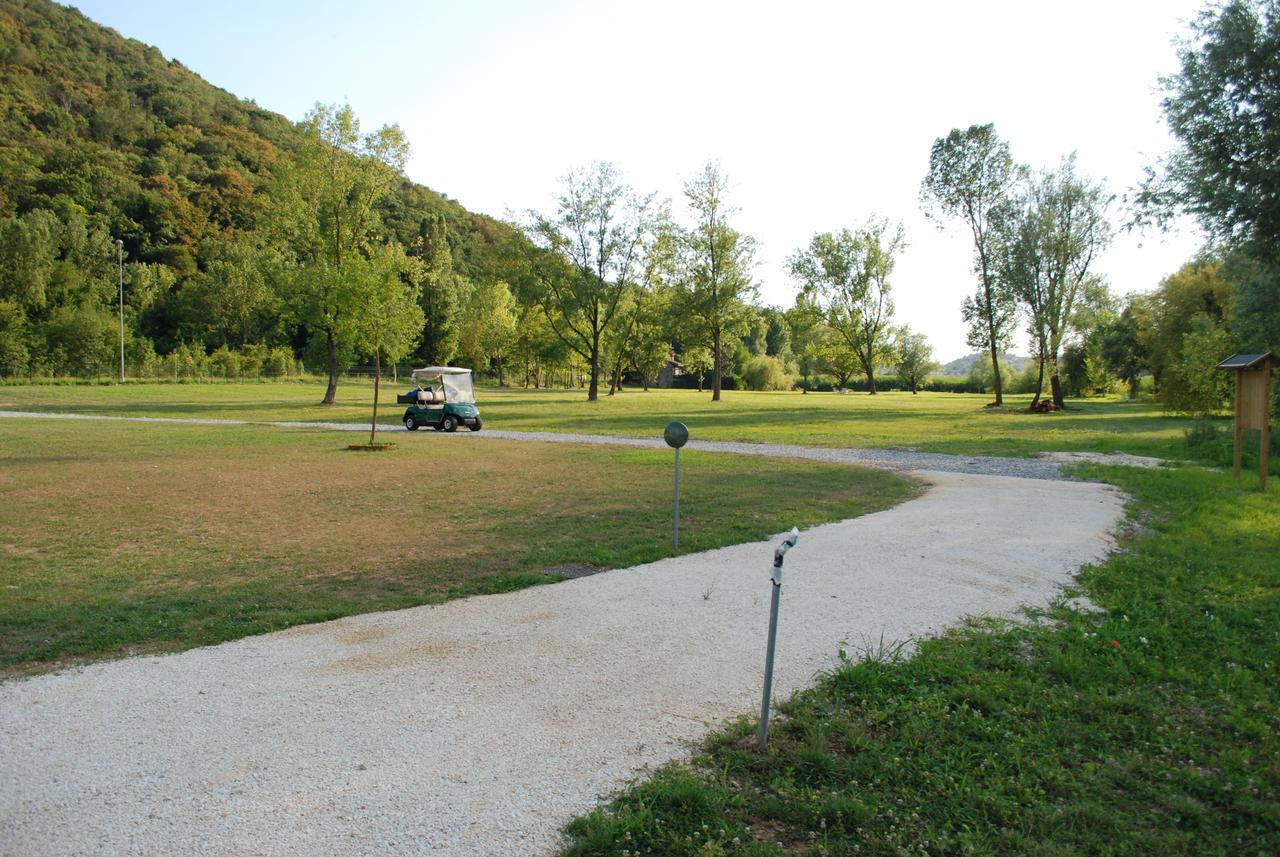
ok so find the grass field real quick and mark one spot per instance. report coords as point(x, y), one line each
point(1147, 728)
point(1151, 727)
point(934, 422)
point(118, 538)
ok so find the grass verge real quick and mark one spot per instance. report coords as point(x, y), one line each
point(1149, 727)
point(118, 538)
point(931, 422)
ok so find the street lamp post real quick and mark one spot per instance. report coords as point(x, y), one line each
point(120, 269)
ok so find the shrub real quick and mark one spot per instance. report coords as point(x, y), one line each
point(277, 363)
point(225, 363)
point(766, 373)
point(251, 359)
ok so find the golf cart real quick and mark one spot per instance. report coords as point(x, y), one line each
point(444, 400)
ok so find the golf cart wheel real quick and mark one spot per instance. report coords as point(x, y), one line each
point(478, 425)
point(449, 423)
point(410, 423)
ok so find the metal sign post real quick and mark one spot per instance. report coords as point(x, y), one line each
point(775, 575)
point(676, 435)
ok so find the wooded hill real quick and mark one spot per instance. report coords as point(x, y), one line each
point(101, 138)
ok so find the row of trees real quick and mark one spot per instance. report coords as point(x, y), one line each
point(314, 244)
point(623, 285)
point(1036, 235)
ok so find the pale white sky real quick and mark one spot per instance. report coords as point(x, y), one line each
point(821, 113)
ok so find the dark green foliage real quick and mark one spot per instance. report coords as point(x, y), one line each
point(1146, 728)
point(439, 285)
point(1223, 108)
point(101, 138)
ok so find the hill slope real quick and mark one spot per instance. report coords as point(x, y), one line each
point(962, 366)
point(102, 137)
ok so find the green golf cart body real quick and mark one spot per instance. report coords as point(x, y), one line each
point(446, 399)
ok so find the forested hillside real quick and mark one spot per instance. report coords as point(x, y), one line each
point(102, 138)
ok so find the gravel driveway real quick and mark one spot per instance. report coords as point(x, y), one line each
point(481, 726)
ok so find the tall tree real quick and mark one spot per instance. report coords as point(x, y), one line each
point(327, 217)
point(431, 269)
point(1020, 271)
point(915, 359)
point(970, 174)
point(1223, 109)
point(488, 327)
point(390, 320)
point(848, 272)
point(804, 319)
point(714, 284)
point(1057, 233)
point(599, 228)
point(1125, 343)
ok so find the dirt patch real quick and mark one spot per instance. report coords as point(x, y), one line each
point(1122, 458)
point(572, 570)
point(394, 657)
point(357, 636)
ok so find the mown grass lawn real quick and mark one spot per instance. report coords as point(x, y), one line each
point(118, 538)
point(1151, 727)
point(934, 422)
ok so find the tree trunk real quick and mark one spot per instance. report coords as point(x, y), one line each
point(996, 381)
point(593, 392)
point(1055, 384)
point(1133, 388)
point(617, 378)
point(871, 382)
point(715, 372)
point(1039, 384)
point(331, 348)
point(377, 379)
point(502, 381)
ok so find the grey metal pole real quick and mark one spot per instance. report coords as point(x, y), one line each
point(768, 666)
point(120, 268)
point(775, 576)
point(675, 534)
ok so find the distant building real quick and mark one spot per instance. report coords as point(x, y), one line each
point(667, 374)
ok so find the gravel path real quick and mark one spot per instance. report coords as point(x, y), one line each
point(885, 459)
point(481, 726)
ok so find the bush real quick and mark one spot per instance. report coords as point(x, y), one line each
point(277, 363)
point(766, 373)
point(225, 363)
point(948, 384)
point(251, 359)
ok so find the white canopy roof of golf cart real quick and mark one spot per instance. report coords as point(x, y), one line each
point(437, 371)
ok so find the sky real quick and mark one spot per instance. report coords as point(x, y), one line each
point(821, 114)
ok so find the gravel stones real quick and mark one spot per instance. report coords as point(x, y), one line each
point(482, 726)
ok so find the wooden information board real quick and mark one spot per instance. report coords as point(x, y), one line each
point(1253, 404)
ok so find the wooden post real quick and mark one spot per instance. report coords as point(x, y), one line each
point(1239, 431)
point(1264, 436)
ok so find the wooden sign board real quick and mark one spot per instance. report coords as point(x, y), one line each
point(1253, 404)
point(1255, 399)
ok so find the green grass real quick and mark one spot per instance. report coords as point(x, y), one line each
point(933, 422)
point(1147, 728)
point(118, 538)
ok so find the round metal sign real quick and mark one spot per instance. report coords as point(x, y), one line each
point(676, 435)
